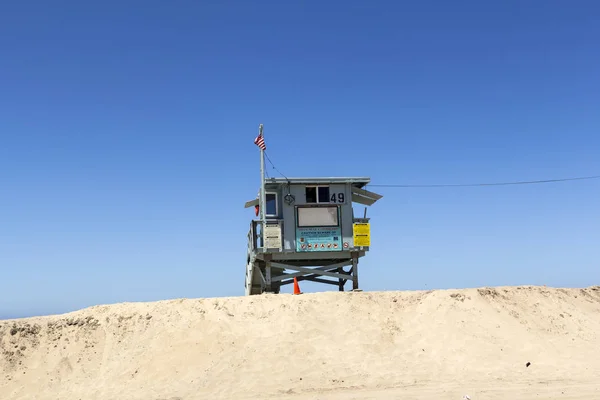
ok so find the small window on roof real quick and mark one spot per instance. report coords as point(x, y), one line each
point(271, 207)
point(323, 194)
point(311, 194)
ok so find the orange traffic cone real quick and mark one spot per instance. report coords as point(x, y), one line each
point(296, 287)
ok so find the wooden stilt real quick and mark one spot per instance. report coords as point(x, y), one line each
point(268, 281)
point(354, 271)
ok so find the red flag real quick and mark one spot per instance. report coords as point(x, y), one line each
point(260, 141)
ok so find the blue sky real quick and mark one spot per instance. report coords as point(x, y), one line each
point(127, 140)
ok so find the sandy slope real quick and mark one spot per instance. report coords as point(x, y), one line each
point(391, 345)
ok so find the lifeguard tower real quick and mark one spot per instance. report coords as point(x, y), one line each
point(307, 230)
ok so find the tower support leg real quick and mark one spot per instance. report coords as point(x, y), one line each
point(268, 282)
point(341, 281)
point(354, 271)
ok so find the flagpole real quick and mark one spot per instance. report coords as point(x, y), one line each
point(262, 190)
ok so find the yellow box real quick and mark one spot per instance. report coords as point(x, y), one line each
point(362, 234)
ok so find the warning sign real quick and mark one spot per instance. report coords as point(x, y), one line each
point(273, 236)
point(318, 238)
point(362, 234)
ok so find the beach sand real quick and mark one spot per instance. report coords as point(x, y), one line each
point(441, 344)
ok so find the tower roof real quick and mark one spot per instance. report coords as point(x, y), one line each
point(357, 182)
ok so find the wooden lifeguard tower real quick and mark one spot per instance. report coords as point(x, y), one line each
point(307, 230)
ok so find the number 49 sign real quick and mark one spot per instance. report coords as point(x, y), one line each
point(337, 198)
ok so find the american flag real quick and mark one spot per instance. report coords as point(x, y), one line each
point(260, 141)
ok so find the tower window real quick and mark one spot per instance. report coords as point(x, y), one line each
point(317, 194)
point(271, 206)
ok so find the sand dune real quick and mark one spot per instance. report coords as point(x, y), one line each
point(368, 345)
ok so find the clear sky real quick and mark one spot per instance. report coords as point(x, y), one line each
point(127, 130)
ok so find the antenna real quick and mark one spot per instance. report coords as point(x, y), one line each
point(262, 188)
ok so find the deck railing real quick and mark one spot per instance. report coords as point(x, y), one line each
point(254, 240)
